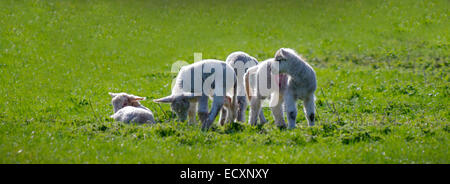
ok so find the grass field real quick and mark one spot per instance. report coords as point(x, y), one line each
point(382, 69)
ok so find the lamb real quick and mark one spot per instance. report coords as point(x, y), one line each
point(127, 109)
point(194, 85)
point(301, 84)
point(257, 81)
point(241, 62)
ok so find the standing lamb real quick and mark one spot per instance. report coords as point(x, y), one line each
point(194, 85)
point(257, 81)
point(127, 109)
point(241, 62)
point(301, 84)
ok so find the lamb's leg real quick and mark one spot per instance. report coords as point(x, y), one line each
point(291, 109)
point(242, 101)
point(229, 118)
point(262, 119)
point(216, 106)
point(223, 115)
point(227, 111)
point(203, 109)
point(255, 109)
point(277, 111)
point(191, 113)
point(309, 109)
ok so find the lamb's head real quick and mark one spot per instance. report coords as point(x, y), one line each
point(285, 58)
point(178, 103)
point(121, 100)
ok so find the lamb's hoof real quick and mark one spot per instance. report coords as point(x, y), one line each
point(262, 122)
point(207, 124)
point(240, 117)
point(252, 123)
point(242, 120)
point(281, 125)
point(202, 116)
point(222, 122)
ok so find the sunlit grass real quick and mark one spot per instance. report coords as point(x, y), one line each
point(382, 69)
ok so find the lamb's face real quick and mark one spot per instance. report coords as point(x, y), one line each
point(178, 103)
point(120, 102)
point(180, 106)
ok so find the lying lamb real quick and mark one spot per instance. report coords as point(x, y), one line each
point(194, 85)
point(301, 85)
point(127, 109)
point(241, 62)
point(257, 82)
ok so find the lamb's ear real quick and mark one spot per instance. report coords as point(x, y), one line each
point(141, 98)
point(166, 99)
point(112, 94)
point(280, 55)
point(138, 98)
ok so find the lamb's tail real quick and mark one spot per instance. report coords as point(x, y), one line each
point(247, 74)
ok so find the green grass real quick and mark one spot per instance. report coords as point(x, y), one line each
point(382, 69)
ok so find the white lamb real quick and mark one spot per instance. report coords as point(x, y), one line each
point(127, 109)
point(194, 85)
point(241, 62)
point(301, 84)
point(296, 80)
point(260, 84)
